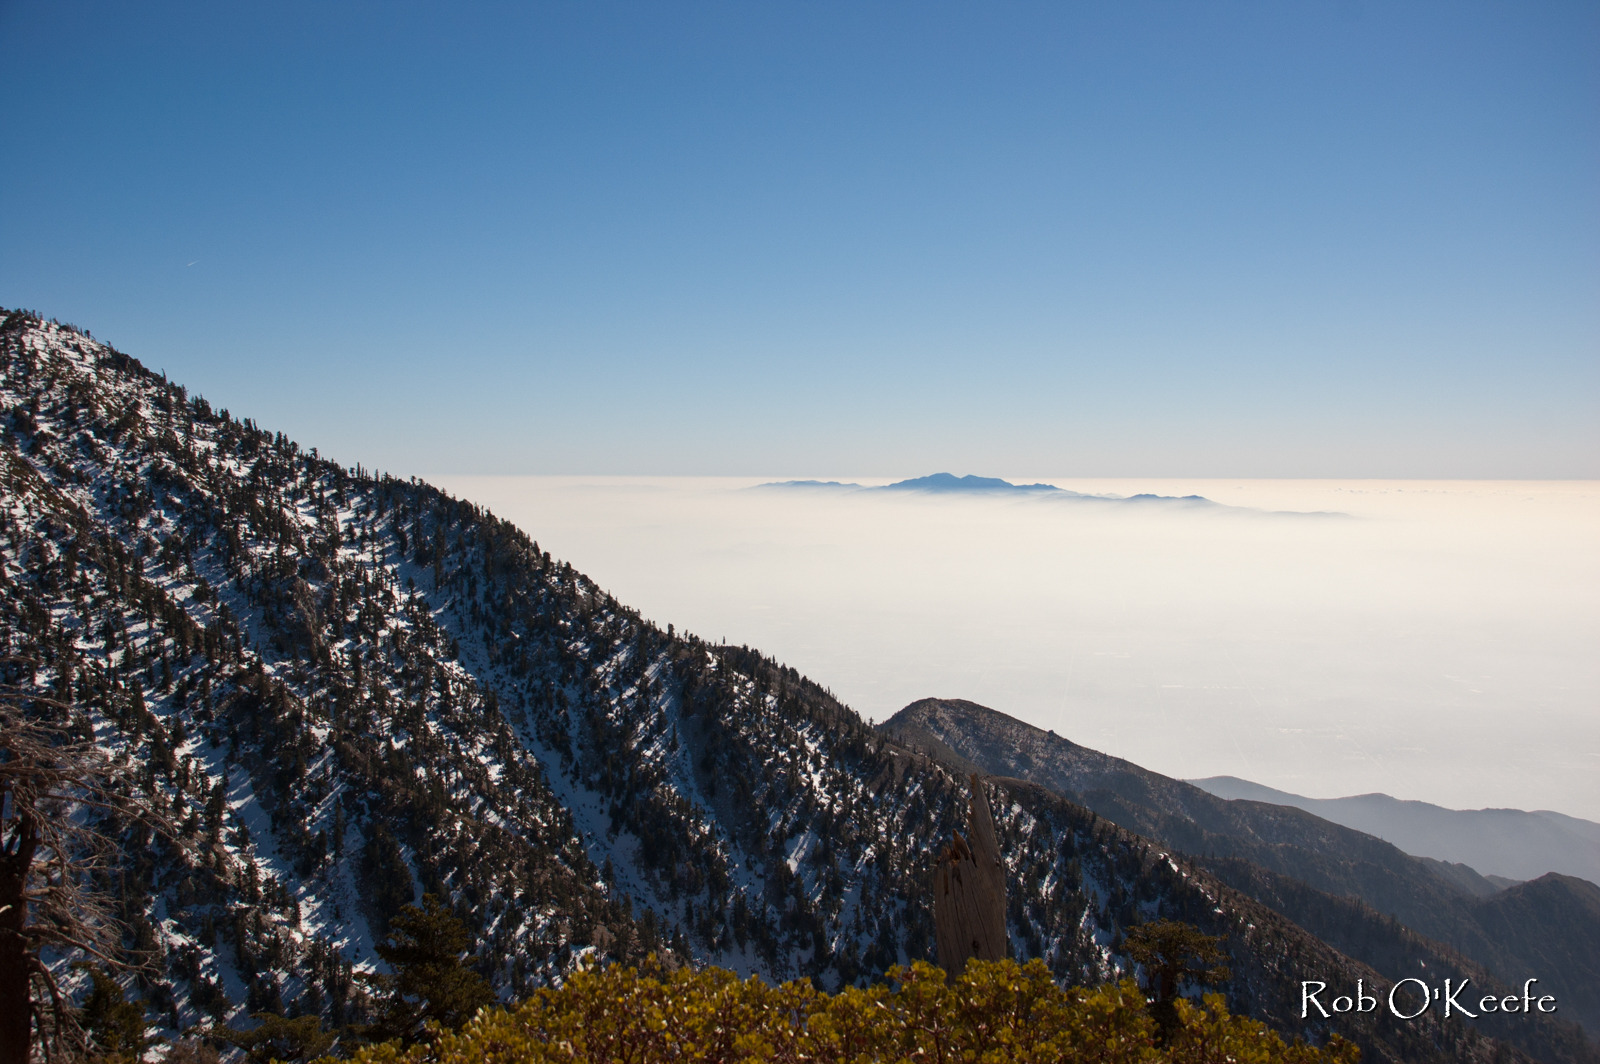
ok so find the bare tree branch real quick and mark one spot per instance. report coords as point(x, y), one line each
point(57, 789)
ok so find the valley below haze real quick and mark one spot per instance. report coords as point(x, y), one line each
point(1435, 643)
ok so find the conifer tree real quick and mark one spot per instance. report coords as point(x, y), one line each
point(114, 1024)
point(389, 883)
point(276, 1038)
point(1172, 953)
point(428, 982)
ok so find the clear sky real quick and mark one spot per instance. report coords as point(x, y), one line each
point(1184, 239)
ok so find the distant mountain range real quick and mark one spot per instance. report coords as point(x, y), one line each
point(950, 484)
point(1349, 888)
point(941, 482)
point(1504, 844)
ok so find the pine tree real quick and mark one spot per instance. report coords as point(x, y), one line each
point(114, 1024)
point(429, 983)
point(389, 883)
point(1172, 953)
point(275, 1038)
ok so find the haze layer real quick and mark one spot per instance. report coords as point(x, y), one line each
point(1437, 643)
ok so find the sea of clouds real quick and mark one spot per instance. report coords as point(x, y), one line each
point(1439, 642)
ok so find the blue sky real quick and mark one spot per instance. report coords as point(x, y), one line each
point(1176, 239)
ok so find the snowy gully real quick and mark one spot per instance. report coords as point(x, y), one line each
point(1449, 995)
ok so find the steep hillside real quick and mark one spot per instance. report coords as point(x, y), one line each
point(1555, 920)
point(1286, 840)
point(349, 688)
point(1257, 847)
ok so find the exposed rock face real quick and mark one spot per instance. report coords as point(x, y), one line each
point(969, 892)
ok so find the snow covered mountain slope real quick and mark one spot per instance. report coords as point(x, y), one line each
point(348, 689)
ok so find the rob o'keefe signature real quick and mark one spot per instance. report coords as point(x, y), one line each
point(1449, 995)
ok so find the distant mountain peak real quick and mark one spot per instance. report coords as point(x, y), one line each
point(951, 482)
point(971, 484)
point(934, 482)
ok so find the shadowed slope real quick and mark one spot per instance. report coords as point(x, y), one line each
point(1287, 857)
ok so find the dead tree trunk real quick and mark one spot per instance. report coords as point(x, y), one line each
point(17, 962)
point(969, 893)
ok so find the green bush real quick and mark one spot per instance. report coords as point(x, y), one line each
point(996, 1012)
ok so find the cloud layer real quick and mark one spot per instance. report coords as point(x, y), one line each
point(1438, 645)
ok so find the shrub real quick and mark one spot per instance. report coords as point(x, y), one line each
point(996, 1012)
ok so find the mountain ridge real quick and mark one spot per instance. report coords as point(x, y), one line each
point(1256, 846)
point(1511, 843)
point(349, 688)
